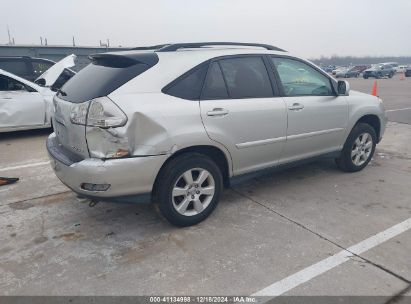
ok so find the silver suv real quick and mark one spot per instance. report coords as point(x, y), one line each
point(176, 124)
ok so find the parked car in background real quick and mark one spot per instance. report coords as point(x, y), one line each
point(393, 64)
point(27, 105)
point(408, 71)
point(177, 124)
point(338, 69)
point(25, 67)
point(347, 73)
point(328, 68)
point(361, 67)
point(379, 71)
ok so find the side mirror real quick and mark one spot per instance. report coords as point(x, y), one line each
point(343, 88)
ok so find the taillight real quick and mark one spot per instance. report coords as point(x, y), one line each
point(100, 112)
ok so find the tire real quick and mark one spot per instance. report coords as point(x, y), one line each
point(391, 75)
point(173, 177)
point(349, 162)
point(365, 77)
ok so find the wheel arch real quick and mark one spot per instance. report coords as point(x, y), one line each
point(373, 120)
point(216, 154)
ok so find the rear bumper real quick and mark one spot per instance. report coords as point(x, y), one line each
point(130, 179)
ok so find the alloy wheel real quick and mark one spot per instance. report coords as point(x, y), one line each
point(193, 192)
point(361, 149)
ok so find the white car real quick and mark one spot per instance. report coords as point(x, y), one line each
point(27, 105)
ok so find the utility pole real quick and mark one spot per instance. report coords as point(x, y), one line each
point(74, 42)
point(8, 32)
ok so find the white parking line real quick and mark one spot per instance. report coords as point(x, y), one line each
point(395, 110)
point(25, 166)
point(296, 279)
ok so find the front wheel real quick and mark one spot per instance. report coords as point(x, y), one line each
point(358, 148)
point(189, 189)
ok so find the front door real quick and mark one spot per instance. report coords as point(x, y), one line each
point(317, 117)
point(240, 110)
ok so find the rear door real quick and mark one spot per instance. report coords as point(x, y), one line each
point(241, 109)
point(20, 105)
point(317, 117)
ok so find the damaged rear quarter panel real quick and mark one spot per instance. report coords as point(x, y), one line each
point(157, 124)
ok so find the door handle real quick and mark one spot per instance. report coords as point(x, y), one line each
point(7, 98)
point(217, 112)
point(296, 107)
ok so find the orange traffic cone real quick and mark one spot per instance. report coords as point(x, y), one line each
point(374, 88)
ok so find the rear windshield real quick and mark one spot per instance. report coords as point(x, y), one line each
point(100, 78)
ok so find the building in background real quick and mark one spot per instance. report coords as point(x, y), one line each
point(56, 53)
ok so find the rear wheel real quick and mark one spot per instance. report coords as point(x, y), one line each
point(188, 189)
point(358, 148)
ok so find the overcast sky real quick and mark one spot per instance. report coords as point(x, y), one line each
point(310, 28)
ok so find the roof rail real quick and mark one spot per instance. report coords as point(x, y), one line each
point(177, 46)
point(152, 47)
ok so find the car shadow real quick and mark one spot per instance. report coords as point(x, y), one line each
point(24, 134)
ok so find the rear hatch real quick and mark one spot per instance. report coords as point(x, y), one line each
point(106, 73)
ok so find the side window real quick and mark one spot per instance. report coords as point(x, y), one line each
point(189, 86)
point(246, 77)
point(214, 87)
point(17, 67)
point(9, 84)
point(39, 67)
point(299, 79)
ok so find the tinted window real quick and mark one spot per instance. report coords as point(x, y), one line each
point(17, 67)
point(189, 86)
point(100, 79)
point(246, 77)
point(214, 87)
point(299, 79)
point(9, 84)
point(39, 67)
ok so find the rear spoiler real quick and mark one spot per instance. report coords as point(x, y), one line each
point(124, 59)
